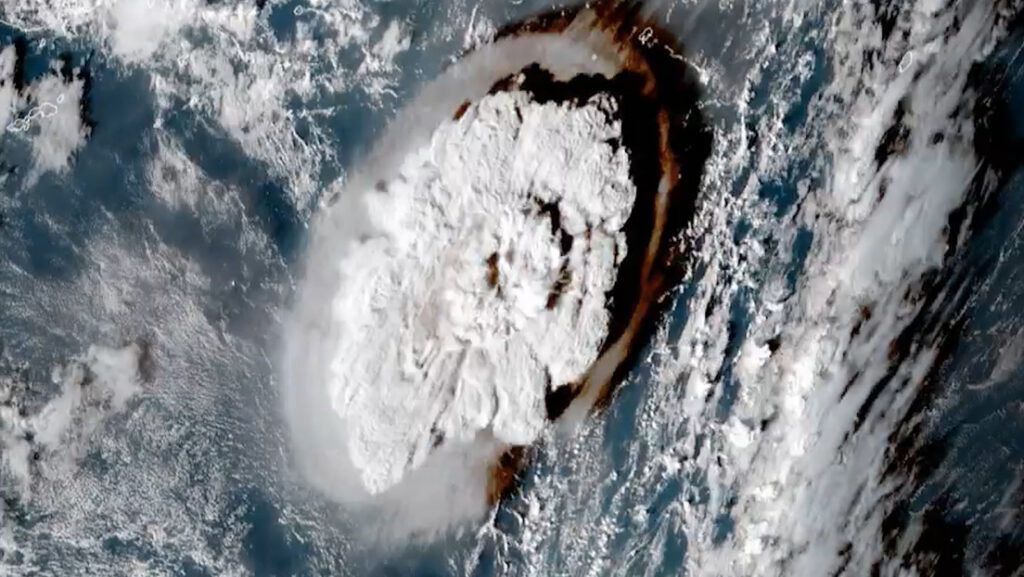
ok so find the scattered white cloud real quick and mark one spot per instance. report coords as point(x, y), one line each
point(91, 389)
point(55, 121)
point(138, 28)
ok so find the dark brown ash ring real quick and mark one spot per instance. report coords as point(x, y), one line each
point(669, 142)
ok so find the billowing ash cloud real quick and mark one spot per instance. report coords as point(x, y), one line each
point(494, 264)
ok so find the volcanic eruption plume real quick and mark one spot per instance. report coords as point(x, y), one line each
point(495, 263)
